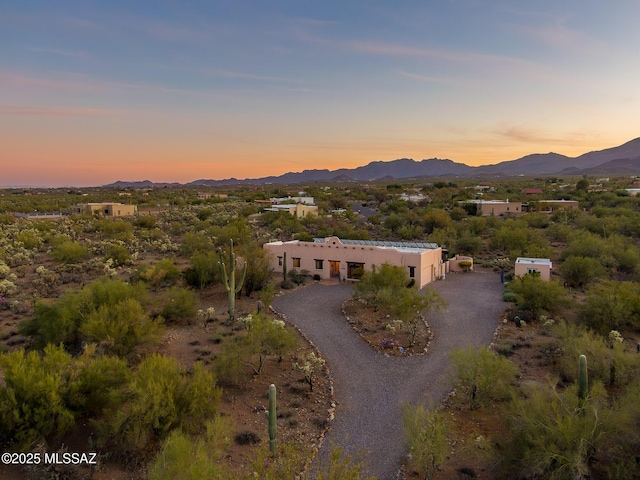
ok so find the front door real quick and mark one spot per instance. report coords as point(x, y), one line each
point(334, 269)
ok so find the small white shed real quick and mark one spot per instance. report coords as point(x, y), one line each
point(531, 265)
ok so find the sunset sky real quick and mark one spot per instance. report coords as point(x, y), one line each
point(93, 92)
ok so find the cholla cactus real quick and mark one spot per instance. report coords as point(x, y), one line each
point(309, 367)
point(615, 337)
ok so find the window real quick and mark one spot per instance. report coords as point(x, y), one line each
point(279, 261)
point(355, 270)
point(412, 272)
point(319, 265)
point(296, 262)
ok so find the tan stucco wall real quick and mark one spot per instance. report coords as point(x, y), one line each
point(454, 263)
point(497, 209)
point(108, 209)
point(521, 269)
point(427, 264)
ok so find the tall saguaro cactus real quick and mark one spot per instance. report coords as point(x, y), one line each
point(582, 379)
point(271, 417)
point(229, 279)
point(284, 267)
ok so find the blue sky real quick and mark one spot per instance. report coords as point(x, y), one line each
point(93, 92)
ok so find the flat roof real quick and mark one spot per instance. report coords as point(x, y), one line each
point(532, 261)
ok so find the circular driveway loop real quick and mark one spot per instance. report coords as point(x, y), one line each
point(369, 387)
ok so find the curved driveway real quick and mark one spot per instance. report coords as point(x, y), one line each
point(370, 387)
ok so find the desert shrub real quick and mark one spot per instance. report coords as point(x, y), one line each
point(121, 327)
point(580, 271)
point(162, 272)
point(536, 295)
point(611, 306)
point(60, 321)
point(116, 229)
point(229, 364)
point(465, 265)
point(469, 244)
point(296, 276)
point(69, 252)
point(190, 458)
point(180, 305)
point(203, 270)
point(196, 242)
point(425, 429)
point(160, 397)
point(608, 360)
point(482, 375)
point(118, 254)
point(32, 399)
point(145, 221)
point(554, 434)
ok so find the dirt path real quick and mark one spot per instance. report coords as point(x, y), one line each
point(370, 387)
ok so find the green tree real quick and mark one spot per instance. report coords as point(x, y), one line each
point(203, 270)
point(612, 305)
point(553, 435)
point(434, 219)
point(409, 304)
point(266, 337)
point(160, 397)
point(580, 271)
point(259, 269)
point(536, 295)
point(120, 327)
point(482, 375)
point(379, 285)
point(426, 431)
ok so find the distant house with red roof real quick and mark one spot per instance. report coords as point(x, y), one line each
point(532, 191)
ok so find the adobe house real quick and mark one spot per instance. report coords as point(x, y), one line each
point(332, 257)
point(533, 265)
point(107, 209)
point(299, 210)
point(496, 207)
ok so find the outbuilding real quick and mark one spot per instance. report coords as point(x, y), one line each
point(541, 266)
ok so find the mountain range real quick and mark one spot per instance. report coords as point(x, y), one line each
point(620, 160)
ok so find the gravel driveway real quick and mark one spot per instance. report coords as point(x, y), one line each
point(370, 387)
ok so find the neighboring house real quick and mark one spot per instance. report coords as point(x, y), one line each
point(107, 209)
point(553, 205)
point(298, 209)
point(532, 191)
point(496, 207)
point(533, 265)
point(633, 192)
point(332, 257)
point(305, 200)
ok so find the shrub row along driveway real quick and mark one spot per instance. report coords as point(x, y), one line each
point(370, 387)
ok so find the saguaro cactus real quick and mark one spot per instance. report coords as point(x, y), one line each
point(271, 418)
point(583, 382)
point(284, 267)
point(229, 279)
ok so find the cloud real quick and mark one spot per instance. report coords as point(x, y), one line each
point(535, 135)
point(50, 111)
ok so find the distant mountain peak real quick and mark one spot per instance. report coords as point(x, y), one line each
point(624, 158)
